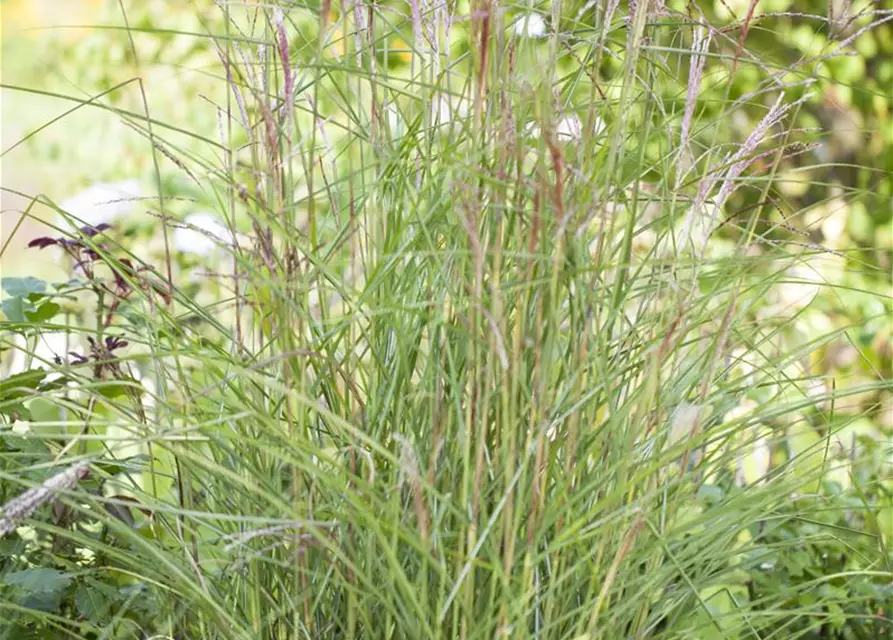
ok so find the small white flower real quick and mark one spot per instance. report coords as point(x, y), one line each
point(569, 128)
point(685, 422)
point(87, 556)
point(21, 427)
point(802, 287)
point(530, 25)
point(207, 234)
point(102, 203)
point(445, 110)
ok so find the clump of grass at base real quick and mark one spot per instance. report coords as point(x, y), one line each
point(491, 377)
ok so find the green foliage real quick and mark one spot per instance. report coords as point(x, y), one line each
point(27, 303)
point(500, 335)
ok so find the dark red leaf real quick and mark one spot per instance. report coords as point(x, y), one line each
point(92, 231)
point(40, 243)
point(113, 342)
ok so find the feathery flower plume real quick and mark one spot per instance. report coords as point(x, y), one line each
point(19, 508)
point(700, 46)
point(736, 163)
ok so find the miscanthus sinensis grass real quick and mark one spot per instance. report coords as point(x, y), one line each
point(484, 357)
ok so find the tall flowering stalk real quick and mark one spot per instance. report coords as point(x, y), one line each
point(699, 225)
point(700, 46)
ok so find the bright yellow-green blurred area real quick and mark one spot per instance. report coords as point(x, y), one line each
point(75, 50)
point(29, 27)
